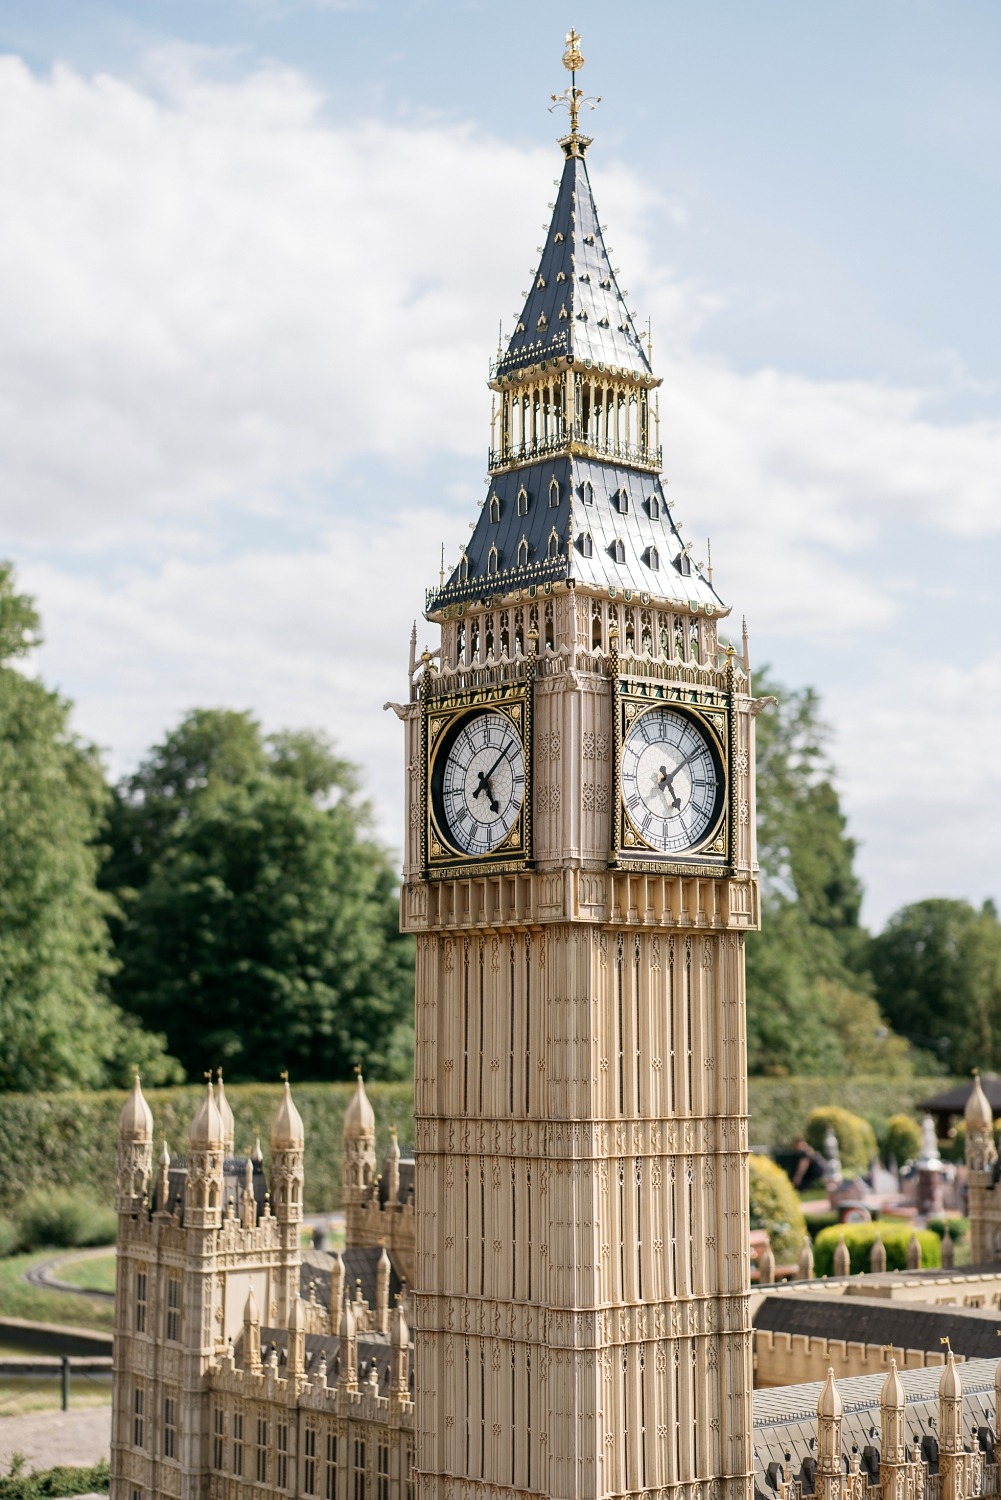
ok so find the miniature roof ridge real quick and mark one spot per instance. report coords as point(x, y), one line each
point(584, 315)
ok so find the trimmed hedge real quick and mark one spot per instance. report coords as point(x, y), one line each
point(68, 1140)
point(902, 1139)
point(61, 1481)
point(779, 1106)
point(860, 1239)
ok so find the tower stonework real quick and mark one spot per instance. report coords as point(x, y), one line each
point(580, 877)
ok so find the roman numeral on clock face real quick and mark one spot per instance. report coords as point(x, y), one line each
point(672, 779)
point(481, 774)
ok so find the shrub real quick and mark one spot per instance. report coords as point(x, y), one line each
point(50, 1482)
point(10, 1237)
point(55, 1217)
point(816, 1222)
point(856, 1137)
point(959, 1228)
point(860, 1239)
point(775, 1207)
point(902, 1139)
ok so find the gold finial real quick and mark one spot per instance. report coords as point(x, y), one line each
point(572, 98)
point(573, 58)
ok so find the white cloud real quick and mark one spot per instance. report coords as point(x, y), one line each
point(216, 304)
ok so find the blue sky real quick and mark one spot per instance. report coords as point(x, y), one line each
point(254, 260)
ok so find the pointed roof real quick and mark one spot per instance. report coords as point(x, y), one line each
point(206, 1129)
point(564, 518)
point(287, 1133)
point(575, 307)
point(135, 1123)
point(359, 1117)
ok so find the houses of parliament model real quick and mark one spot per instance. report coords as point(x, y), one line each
point(552, 1297)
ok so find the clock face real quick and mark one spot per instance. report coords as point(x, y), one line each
point(672, 780)
point(479, 782)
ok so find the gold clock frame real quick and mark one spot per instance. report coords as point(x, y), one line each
point(440, 859)
point(712, 712)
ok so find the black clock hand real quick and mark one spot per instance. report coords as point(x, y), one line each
point(667, 777)
point(485, 786)
point(498, 760)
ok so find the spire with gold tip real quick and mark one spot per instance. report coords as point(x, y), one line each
point(206, 1129)
point(287, 1132)
point(572, 98)
point(135, 1151)
point(135, 1123)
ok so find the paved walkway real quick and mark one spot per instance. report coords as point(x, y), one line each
point(57, 1437)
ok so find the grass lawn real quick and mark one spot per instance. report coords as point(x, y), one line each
point(19, 1397)
point(19, 1299)
point(95, 1272)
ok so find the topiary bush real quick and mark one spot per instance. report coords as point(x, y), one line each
point(860, 1239)
point(901, 1140)
point(775, 1207)
point(53, 1216)
point(959, 1228)
point(856, 1137)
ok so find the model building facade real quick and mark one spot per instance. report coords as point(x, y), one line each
point(580, 879)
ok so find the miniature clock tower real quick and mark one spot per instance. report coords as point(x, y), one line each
point(580, 876)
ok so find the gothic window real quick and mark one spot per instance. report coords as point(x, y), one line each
point(617, 551)
point(523, 553)
point(563, 313)
point(262, 1449)
point(589, 239)
point(586, 544)
point(330, 1468)
point(558, 237)
point(309, 1458)
point(523, 501)
point(693, 633)
point(408, 1469)
point(281, 1455)
point(495, 507)
point(139, 1417)
point(554, 544)
point(561, 275)
point(173, 1329)
point(141, 1300)
point(170, 1426)
point(548, 621)
point(554, 492)
point(652, 557)
point(597, 634)
point(622, 501)
point(218, 1437)
point(683, 563)
point(654, 508)
point(358, 1489)
point(492, 562)
point(382, 1478)
point(238, 1442)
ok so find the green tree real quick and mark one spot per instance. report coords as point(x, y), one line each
point(261, 918)
point(58, 1029)
point(937, 968)
point(809, 1002)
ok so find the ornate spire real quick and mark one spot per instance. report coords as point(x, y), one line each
point(575, 455)
point(572, 98)
point(135, 1123)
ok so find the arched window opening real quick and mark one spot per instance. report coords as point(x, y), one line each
point(617, 551)
point(460, 641)
point(523, 553)
point(630, 631)
point(519, 631)
point(492, 556)
point(683, 563)
point(495, 508)
point(622, 501)
point(554, 544)
point(549, 627)
point(463, 568)
point(665, 642)
point(586, 544)
point(652, 558)
point(587, 492)
point(654, 508)
point(646, 634)
point(523, 501)
point(597, 634)
point(693, 632)
point(554, 492)
point(505, 635)
point(488, 635)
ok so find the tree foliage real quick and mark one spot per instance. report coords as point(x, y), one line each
point(260, 925)
point(58, 1029)
point(937, 968)
point(809, 1002)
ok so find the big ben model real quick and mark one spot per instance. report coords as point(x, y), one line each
point(579, 878)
